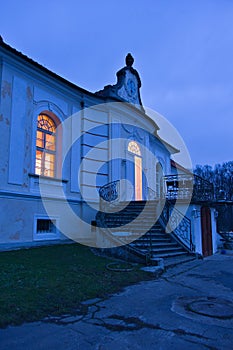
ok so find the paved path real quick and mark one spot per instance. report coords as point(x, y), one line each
point(189, 307)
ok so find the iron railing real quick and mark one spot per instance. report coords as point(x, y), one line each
point(110, 191)
point(188, 186)
point(171, 218)
point(178, 224)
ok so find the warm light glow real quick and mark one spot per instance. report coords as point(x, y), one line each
point(134, 148)
point(45, 146)
point(138, 178)
point(46, 123)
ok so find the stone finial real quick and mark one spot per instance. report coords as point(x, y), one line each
point(129, 60)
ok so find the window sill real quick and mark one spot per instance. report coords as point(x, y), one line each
point(48, 178)
point(49, 185)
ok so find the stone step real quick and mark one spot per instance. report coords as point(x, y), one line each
point(133, 235)
point(158, 234)
point(156, 246)
point(155, 235)
point(162, 252)
point(176, 260)
point(123, 218)
point(132, 217)
point(169, 255)
point(134, 208)
point(156, 238)
point(159, 243)
point(136, 228)
point(133, 238)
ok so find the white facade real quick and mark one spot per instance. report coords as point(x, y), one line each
point(94, 133)
point(28, 90)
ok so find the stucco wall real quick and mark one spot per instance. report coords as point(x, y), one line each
point(26, 91)
point(193, 212)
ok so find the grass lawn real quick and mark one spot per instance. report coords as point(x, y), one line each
point(53, 280)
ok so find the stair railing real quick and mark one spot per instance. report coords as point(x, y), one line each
point(118, 242)
point(109, 193)
point(179, 225)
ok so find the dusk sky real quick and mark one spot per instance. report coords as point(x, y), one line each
point(183, 51)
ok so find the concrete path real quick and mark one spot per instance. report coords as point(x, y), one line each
point(188, 307)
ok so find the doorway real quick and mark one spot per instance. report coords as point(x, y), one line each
point(134, 148)
point(159, 180)
point(206, 231)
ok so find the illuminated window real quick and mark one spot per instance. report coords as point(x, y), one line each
point(134, 148)
point(45, 146)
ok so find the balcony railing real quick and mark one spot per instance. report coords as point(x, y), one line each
point(185, 186)
point(188, 186)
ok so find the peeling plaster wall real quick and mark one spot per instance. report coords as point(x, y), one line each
point(24, 94)
point(21, 102)
point(18, 215)
point(26, 91)
point(5, 117)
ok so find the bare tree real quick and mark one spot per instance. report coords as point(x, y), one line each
point(221, 176)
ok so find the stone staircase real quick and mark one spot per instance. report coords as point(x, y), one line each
point(145, 235)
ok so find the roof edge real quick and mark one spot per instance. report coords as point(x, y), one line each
point(39, 66)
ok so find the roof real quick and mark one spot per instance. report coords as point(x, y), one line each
point(35, 64)
point(170, 147)
point(180, 167)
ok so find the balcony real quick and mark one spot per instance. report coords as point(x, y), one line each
point(188, 187)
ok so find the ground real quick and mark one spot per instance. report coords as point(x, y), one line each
point(189, 307)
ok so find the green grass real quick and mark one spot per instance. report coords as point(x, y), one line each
point(53, 280)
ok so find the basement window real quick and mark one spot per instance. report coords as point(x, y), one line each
point(45, 228)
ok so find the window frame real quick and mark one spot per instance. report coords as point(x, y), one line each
point(40, 236)
point(44, 150)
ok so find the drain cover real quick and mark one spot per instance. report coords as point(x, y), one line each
point(212, 307)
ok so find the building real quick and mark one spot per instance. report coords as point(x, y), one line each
point(62, 145)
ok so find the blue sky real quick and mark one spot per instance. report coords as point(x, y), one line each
point(183, 51)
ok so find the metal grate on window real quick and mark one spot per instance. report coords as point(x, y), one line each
point(45, 226)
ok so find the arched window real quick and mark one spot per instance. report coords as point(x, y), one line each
point(45, 146)
point(134, 148)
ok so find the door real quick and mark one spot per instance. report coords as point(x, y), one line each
point(134, 149)
point(206, 230)
point(138, 178)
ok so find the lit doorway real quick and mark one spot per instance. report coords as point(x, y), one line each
point(134, 148)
